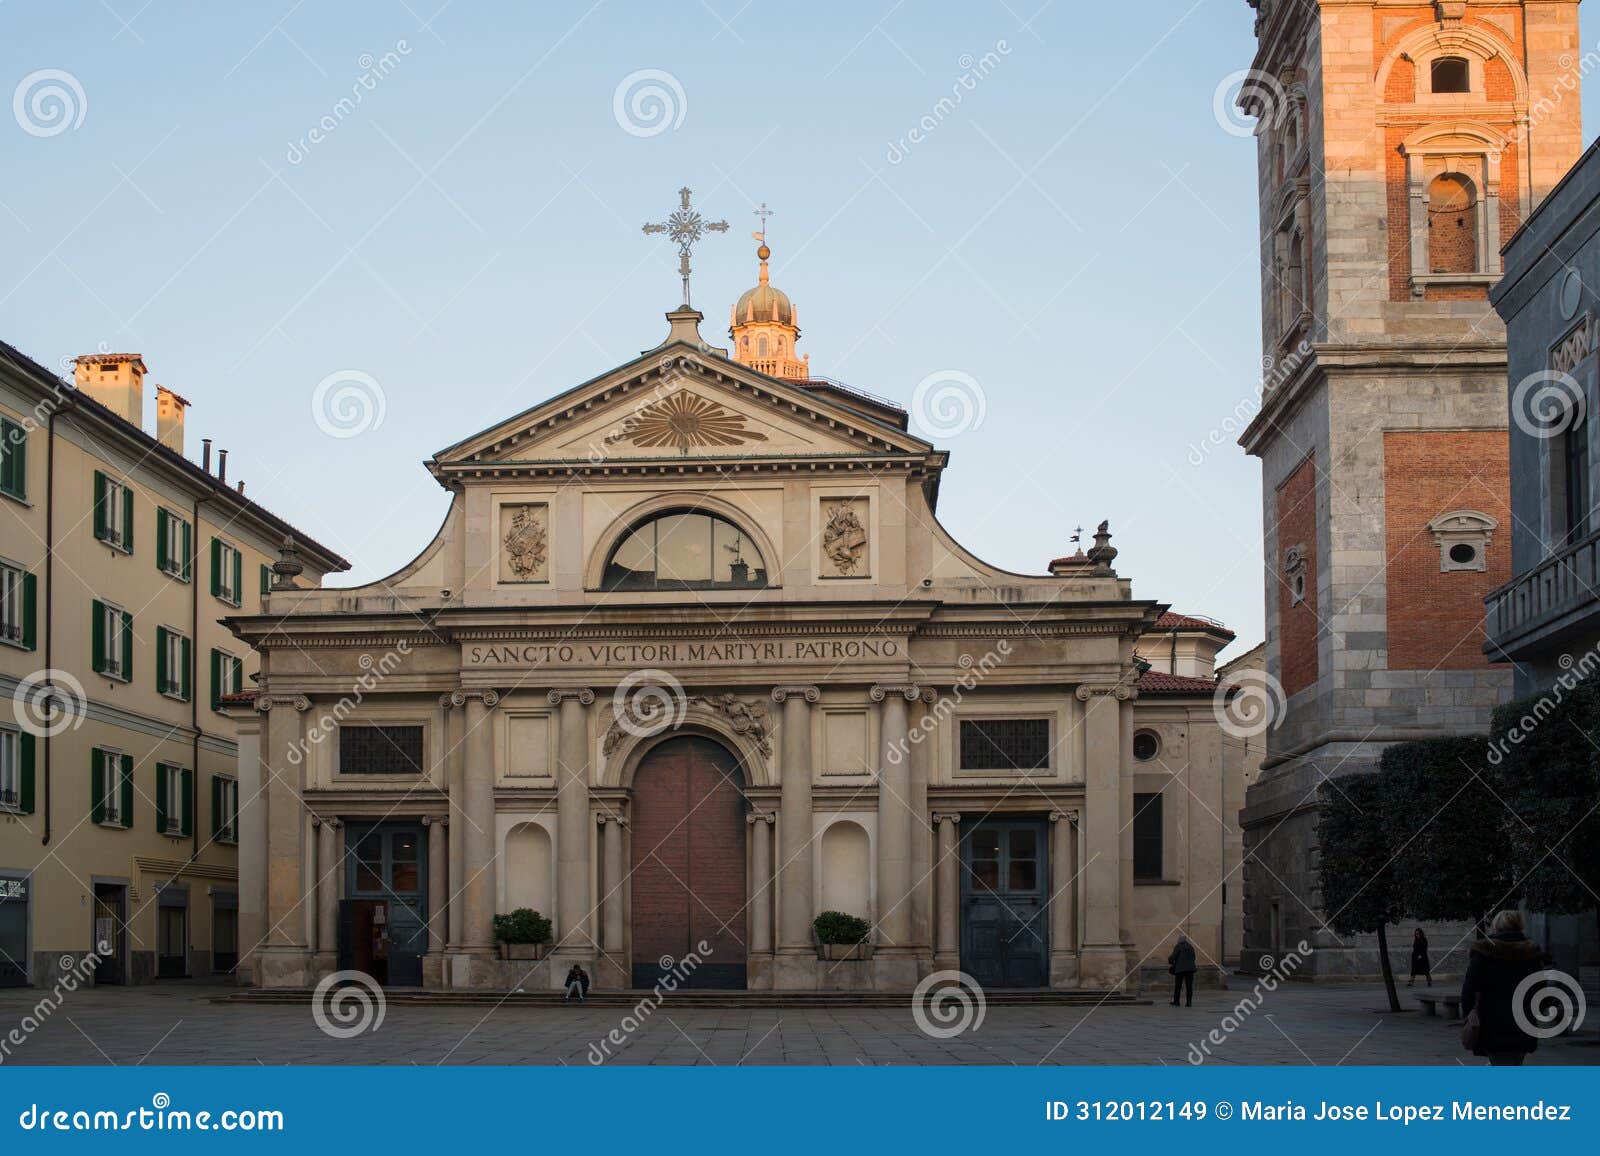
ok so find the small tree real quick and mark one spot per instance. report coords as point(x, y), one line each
point(1355, 867)
point(524, 925)
point(1448, 829)
point(837, 927)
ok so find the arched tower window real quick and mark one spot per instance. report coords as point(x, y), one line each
point(761, 346)
point(1452, 225)
point(684, 550)
point(1450, 74)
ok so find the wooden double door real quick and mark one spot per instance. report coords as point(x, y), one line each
point(1005, 901)
point(688, 878)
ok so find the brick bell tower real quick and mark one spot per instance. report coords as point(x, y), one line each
point(1399, 145)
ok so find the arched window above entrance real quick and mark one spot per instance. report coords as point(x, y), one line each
point(684, 550)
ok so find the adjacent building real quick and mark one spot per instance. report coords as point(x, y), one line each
point(1399, 145)
point(119, 797)
point(690, 662)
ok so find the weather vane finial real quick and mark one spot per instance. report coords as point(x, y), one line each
point(763, 212)
point(684, 228)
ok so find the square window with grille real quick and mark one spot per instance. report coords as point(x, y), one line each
point(380, 750)
point(1005, 744)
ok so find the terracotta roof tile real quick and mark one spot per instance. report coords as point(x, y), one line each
point(1171, 621)
point(1155, 682)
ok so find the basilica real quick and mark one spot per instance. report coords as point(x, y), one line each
point(691, 662)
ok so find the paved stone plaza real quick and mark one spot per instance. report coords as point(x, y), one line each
point(178, 1024)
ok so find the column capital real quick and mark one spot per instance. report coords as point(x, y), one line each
point(601, 818)
point(486, 695)
point(331, 823)
point(909, 691)
point(582, 693)
point(1070, 816)
point(755, 817)
point(947, 816)
point(811, 693)
point(436, 820)
point(300, 702)
point(1118, 690)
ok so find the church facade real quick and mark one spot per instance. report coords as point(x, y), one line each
point(690, 662)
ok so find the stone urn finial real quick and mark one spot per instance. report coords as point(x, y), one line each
point(1103, 553)
point(288, 567)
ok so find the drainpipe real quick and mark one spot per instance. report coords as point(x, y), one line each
point(49, 584)
point(194, 673)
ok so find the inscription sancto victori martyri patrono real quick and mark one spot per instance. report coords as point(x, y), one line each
point(585, 654)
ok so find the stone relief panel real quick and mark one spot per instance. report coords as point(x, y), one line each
point(845, 541)
point(525, 542)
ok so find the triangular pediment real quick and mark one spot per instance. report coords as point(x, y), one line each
point(681, 402)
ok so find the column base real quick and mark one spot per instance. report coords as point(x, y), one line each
point(758, 971)
point(1103, 967)
point(946, 961)
point(433, 967)
point(611, 970)
point(895, 969)
point(1064, 969)
point(284, 967)
point(324, 963)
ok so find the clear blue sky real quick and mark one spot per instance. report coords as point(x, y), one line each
point(1077, 235)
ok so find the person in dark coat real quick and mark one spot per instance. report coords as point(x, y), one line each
point(1495, 967)
point(1419, 959)
point(1181, 964)
point(577, 984)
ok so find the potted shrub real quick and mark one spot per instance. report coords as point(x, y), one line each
point(841, 936)
point(523, 934)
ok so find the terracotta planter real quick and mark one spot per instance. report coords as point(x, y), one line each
point(844, 951)
point(523, 950)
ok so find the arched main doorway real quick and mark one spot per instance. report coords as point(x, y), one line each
point(688, 878)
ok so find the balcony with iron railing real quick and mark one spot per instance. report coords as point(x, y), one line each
point(1538, 606)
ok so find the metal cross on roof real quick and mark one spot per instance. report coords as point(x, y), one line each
point(684, 228)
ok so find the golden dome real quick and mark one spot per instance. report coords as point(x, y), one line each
point(764, 303)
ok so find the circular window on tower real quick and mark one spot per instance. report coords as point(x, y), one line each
point(1463, 555)
point(1146, 745)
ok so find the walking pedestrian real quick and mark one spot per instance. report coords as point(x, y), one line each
point(1496, 965)
point(1182, 966)
point(1419, 959)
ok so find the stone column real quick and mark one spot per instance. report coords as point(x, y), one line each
point(922, 835)
point(330, 877)
point(760, 898)
point(1103, 964)
point(284, 957)
point(572, 823)
point(797, 965)
point(895, 822)
point(477, 889)
point(455, 833)
point(1063, 899)
point(611, 887)
point(438, 830)
point(947, 871)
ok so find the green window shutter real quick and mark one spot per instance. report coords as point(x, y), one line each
point(127, 791)
point(161, 659)
point(216, 568)
point(25, 773)
point(13, 459)
point(99, 505)
point(266, 581)
point(238, 578)
point(97, 631)
point(216, 680)
point(30, 611)
point(186, 785)
point(188, 551)
point(127, 647)
point(97, 786)
point(163, 776)
point(216, 807)
point(163, 544)
point(127, 518)
point(186, 655)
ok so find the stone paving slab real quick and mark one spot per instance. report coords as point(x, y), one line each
point(179, 1024)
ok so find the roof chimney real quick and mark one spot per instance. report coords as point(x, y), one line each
point(241, 485)
point(169, 418)
point(222, 466)
point(115, 380)
point(205, 454)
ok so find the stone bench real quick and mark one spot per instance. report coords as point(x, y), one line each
point(1430, 1005)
